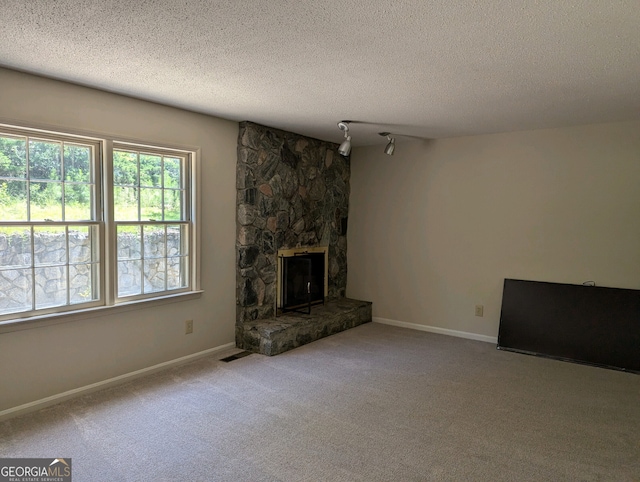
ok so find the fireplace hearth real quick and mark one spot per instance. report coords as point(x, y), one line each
point(274, 336)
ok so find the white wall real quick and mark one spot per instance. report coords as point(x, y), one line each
point(44, 361)
point(435, 229)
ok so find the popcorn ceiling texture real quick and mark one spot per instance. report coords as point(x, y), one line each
point(431, 69)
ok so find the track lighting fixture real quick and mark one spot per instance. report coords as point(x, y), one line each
point(345, 147)
point(391, 146)
point(389, 149)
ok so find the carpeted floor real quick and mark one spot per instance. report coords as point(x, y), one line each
point(370, 404)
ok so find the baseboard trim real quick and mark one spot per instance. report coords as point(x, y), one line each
point(435, 329)
point(93, 387)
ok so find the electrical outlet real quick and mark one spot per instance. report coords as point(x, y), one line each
point(188, 327)
point(479, 310)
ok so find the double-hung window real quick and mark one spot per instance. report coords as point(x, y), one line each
point(80, 230)
point(49, 224)
point(151, 212)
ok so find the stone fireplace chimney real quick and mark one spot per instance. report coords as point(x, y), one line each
point(293, 192)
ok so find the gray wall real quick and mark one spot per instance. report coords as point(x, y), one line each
point(436, 228)
point(43, 359)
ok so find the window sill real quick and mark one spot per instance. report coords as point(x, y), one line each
point(69, 316)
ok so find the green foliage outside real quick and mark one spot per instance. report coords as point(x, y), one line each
point(143, 180)
point(146, 186)
point(44, 163)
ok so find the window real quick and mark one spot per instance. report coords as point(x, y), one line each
point(58, 243)
point(49, 230)
point(151, 219)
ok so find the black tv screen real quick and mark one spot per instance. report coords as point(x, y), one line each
point(585, 324)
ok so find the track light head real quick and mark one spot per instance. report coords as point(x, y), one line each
point(391, 146)
point(345, 147)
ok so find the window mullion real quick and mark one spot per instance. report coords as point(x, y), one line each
point(28, 179)
point(164, 228)
point(142, 258)
point(68, 248)
point(139, 184)
point(162, 185)
point(62, 186)
point(166, 255)
point(32, 267)
point(108, 234)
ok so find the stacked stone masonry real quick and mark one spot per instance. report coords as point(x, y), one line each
point(50, 255)
point(292, 191)
point(272, 337)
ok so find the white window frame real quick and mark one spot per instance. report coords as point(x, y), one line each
point(104, 218)
point(188, 210)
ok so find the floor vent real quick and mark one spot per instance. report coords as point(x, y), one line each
point(242, 354)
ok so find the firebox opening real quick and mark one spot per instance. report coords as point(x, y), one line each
point(302, 278)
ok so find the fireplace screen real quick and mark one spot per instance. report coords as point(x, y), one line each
point(302, 281)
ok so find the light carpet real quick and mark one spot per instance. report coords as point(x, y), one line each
point(375, 403)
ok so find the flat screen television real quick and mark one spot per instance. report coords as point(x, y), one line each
point(585, 324)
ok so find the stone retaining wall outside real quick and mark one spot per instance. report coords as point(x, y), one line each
point(50, 256)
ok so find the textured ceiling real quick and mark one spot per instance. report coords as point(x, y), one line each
point(437, 68)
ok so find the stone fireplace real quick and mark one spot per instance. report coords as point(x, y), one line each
point(292, 195)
